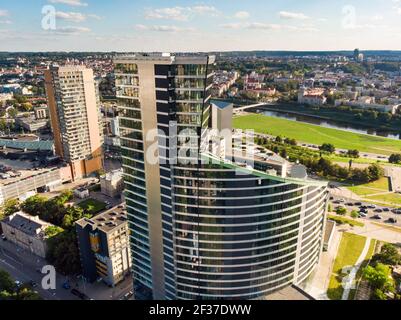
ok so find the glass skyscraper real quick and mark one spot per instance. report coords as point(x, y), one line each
point(199, 229)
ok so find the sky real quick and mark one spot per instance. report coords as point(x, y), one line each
point(205, 25)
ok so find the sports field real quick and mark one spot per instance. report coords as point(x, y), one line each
point(308, 133)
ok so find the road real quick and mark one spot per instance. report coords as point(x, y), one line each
point(349, 203)
point(22, 266)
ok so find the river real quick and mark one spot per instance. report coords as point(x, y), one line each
point(327, 123)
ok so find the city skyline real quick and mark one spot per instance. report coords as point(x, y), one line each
point(86, 25)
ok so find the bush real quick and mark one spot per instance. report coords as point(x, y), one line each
point(341, 211)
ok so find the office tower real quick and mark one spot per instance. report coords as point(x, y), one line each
point(205, 226)
point(104, 247)
point(75, 118)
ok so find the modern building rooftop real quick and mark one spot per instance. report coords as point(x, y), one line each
point(168, 57)
point(106, 221)
point(221, 104)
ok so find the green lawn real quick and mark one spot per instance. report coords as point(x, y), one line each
point(93, 205)
point(381, 185)
point(359, 274)
point(350, 249)
point(309, 133)
point(344, 220)
point(392, 198)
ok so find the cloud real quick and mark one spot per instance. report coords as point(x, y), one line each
point(71, 30)
point(292, 15)
point(75, 16)
point(180, 13)
point(176, 13)
point(242, 15)
point(267, 26)
point(75, 3)
point(163, 28)
point(3, 13)
point(5, 22)
point(71, 16)
point(204, 10)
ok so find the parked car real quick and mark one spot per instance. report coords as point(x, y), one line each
point(362, 215)
point(3, 237)
point(377, 217)
point(357, 204)
point(378, 210)
point(392, 220)
point(33, 284)
point(79, 294)
point(386, 209)
point(371, 206)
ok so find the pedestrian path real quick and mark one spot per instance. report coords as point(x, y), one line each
point(351, 277)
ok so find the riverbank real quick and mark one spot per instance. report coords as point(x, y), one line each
point(317, 135)
point(334, 115)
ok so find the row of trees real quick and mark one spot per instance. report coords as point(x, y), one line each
point(379, 273)
point(320, 165)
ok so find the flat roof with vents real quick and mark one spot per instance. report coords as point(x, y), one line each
point(106, 221)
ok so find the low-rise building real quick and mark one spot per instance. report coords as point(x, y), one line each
point(81, 193)
point(27, 232)
point(112, 183)
point(312, 96)
point(104, 247)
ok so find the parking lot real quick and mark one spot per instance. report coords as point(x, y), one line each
point(389, 215)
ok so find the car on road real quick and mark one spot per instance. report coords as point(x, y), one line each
point(18, 283)
point(3, 237)
point(377, 217)
point(79, 294)
point(392, 220)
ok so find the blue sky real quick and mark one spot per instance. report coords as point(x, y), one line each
point(156, 25)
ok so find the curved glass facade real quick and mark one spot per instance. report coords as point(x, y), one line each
point(243, 236)
point(203, 231)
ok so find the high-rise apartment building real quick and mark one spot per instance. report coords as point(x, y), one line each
point(74, 107)
point(206, 226)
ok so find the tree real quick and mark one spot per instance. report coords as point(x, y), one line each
point(388, 255)
point(354, 214)
point(395, 158)
point(6, 282)
point(9, 207)
point(279, 139)
point(34, 206)
point(327, 147)
point(379, 277)
point(52, 231)
point(63, 253)
point(353, 153)
point(12, 112)
point(283, 153)
point(375, 172)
